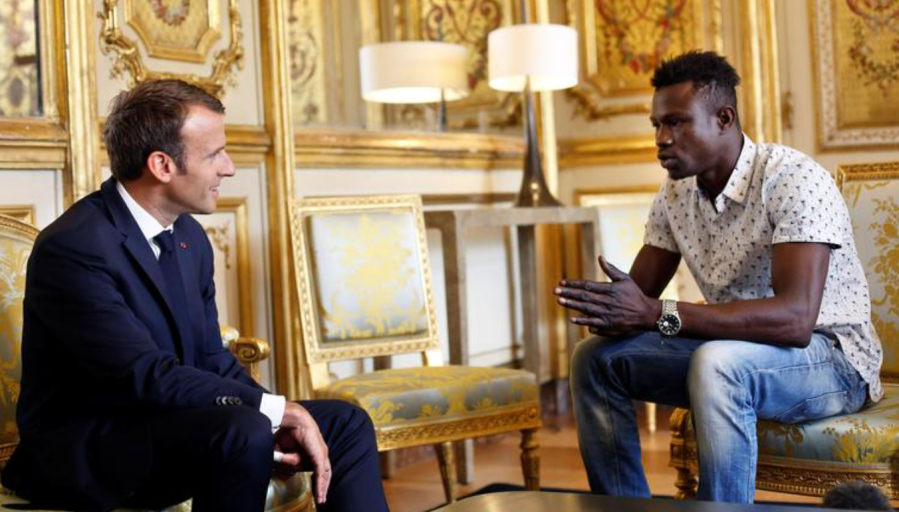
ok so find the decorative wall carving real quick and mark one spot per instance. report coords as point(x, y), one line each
point(465, 22)
point(856, 45)
point(622, 41)
point(166, 35)
point(24, 213)
point(19, 70)
point(306, 51)
point(178, 30)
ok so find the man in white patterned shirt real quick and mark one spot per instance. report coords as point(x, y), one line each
point(786, 331)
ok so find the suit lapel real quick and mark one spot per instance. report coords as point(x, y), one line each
point(139, 249)
point(188, 277)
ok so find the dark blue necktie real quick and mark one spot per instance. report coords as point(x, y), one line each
point(174, 283)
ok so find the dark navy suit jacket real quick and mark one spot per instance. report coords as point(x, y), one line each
point(102, 353)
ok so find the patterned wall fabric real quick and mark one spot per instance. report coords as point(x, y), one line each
point(306, 41)
point(19, 69)
point(368, 275)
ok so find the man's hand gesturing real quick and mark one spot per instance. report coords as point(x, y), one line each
point(617, 308)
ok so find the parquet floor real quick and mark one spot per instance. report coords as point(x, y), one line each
point(416, 487)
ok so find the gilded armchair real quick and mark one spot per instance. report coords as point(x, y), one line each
point(364, 287)
point(16, 241)
point(810, 458)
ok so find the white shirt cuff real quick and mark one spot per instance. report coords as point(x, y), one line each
point(273, 407)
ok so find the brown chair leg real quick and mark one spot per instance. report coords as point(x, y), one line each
point(530, 459)
point(686, 484)
point(447, 470)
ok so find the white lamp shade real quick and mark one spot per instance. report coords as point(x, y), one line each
point(413, 72)
point(545, 53)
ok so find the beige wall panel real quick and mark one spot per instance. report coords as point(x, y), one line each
point(40, 189)
point(797, 80)
point(243, 99)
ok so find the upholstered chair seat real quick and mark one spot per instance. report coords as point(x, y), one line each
point(403, 397)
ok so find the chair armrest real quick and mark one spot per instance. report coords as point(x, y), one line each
point(248, 350)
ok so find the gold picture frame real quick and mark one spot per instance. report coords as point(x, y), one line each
point(615, 67)
point(856, 76)
point(129, 62)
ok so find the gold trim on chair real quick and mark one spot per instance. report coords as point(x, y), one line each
point(316, 350)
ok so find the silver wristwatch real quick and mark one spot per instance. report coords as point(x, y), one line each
point(669, 323)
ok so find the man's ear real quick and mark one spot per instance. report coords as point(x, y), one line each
point(161, 166)
point(727, 116)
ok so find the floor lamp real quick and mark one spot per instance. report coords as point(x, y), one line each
point(414, 72)
point(531, 58)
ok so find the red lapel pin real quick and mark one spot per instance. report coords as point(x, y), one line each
point(183, 245)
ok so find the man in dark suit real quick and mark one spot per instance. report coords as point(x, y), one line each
point(128, 397)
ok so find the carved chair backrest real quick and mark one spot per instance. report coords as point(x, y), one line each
point(871, 192)
point(363, 280)
point(16, 241)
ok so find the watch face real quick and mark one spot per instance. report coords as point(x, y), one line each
point(669, 325)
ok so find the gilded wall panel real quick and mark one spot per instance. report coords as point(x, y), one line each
point(308, 44)
point(179, 30)
point(465, 22)
point(19, 60)
point(856, 46)
point(622, 41)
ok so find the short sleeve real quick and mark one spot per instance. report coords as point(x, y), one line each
point(804, 205)
point(658, 231)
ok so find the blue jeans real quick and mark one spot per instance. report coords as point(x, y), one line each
point(727, 385)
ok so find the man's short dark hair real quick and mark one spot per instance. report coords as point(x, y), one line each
point(149, 118)
point(856, 495)
point(707, 70)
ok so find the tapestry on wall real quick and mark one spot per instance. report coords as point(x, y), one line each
point(857, 73)
point(19, 70)
point(622, 42)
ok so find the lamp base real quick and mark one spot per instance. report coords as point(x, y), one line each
point(535, 193)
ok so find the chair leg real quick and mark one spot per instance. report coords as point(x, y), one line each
point(447, 460)
point(530, 459)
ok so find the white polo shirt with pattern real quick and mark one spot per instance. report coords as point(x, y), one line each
point(775, 195)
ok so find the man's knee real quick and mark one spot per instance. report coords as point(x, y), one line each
point(712, 365)
point(584, 360)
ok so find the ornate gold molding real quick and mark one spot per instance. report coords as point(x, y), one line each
point(127, 58)
point(240, 256)
point(797, 477)
point(20, 212)
point(362, 148)
point(867, 172)
point(19, 229)
point(32, 144)
point(280, 168)
point(519, 418)
point(136, 14)
point(610, 150)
